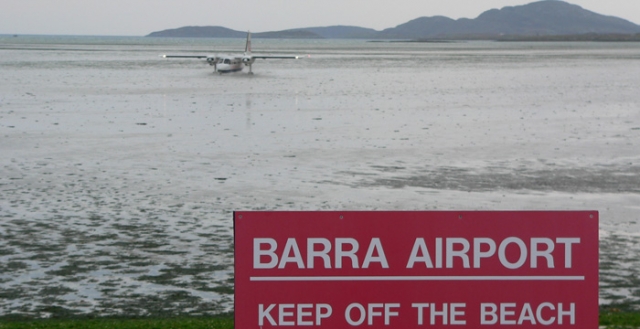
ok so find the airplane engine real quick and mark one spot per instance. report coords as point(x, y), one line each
point(212, 60)
point(247, 60)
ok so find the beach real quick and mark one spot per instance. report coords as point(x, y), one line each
point(120, 170)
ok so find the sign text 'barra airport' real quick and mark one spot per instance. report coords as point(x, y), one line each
point(422, 269)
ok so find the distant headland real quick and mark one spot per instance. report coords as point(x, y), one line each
point(547, 20)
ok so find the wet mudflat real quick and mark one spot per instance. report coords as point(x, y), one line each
point(120, 170)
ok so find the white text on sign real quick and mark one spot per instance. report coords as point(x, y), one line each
point(441, 253)
point(430, 314)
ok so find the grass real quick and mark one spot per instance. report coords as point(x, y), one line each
point(619, 319)
point(108, 323)
point(611, 318)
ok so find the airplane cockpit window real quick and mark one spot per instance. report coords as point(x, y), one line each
point(227, 61)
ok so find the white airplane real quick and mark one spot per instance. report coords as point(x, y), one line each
point(233, 63)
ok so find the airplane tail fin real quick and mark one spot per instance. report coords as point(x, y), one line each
point(247, 48)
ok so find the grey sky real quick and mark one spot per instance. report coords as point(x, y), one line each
point(140, 17)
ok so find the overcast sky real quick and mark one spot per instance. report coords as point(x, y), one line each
point(141, 17)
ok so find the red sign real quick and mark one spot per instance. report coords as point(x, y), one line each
point(475, 269)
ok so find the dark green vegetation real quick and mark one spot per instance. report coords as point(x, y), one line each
point(619, 316)
point(538, 19)
point(611, 317)
point(220, 322)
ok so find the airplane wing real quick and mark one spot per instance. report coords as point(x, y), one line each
point(180, 56)
point(275, 57)
point(230, 63)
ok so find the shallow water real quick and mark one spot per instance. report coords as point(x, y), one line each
point(120, 170)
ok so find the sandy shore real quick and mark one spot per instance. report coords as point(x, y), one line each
point(120, 171)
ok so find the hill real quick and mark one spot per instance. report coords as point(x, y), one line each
point(542, 18)
point(199, 32)
point(343, 32)
point(549, 17)
point(330, 32)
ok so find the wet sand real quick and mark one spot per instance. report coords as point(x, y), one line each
point(120, 171)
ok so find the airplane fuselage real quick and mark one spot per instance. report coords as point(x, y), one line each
point(229, 64)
